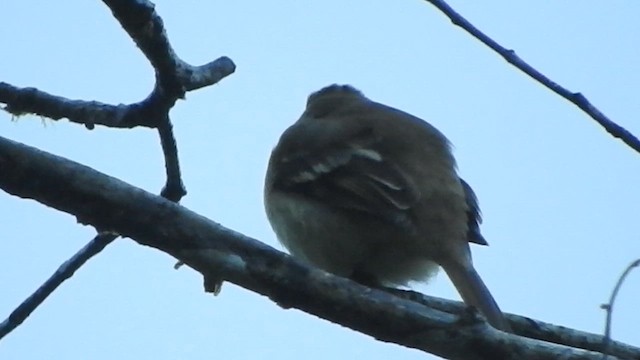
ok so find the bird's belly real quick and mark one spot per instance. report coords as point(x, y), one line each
point(344, 245)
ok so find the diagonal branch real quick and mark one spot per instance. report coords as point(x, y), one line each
point(510, 56)
point(108, 203)
point(64, 272)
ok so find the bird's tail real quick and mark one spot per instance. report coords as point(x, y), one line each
point(475, 293)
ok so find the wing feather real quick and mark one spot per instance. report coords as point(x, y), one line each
point(354, 177)
point(474, 219)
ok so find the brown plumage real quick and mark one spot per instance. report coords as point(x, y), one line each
point(369, 192)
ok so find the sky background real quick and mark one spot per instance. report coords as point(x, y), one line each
point(560, 197)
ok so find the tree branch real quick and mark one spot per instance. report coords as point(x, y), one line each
point(510, 56)
point(534, 329)
point(173, 78)
point(173, 189)
point(64, 272)
point(20, 101)
point(608, 307)
point(108, 203)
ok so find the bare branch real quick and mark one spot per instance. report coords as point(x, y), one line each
point(174, 189)
point(196, 77)
point(214, 251)
point(65, 271)
point(173, 78)
point(607, 342)
point(510, 55)
point(20, 101)
point(146, 28)
point(531, 328)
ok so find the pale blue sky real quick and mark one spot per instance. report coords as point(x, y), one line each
point(560, 197)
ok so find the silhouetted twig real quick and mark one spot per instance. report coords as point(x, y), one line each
point(608, 308)
point(174, 188)
point(65, 271)
point(510, 55)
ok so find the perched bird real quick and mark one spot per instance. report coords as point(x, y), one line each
point(371, 193)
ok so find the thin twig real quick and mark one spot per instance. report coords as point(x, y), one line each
point(608, 308)
point(65, 271)
point(174, 189)
point(510, 56)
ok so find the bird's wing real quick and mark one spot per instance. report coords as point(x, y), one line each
point(353, 176)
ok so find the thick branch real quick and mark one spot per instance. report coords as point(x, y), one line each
point(108, 203)
point(535, 329)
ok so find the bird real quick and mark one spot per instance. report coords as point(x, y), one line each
point(371, 193)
